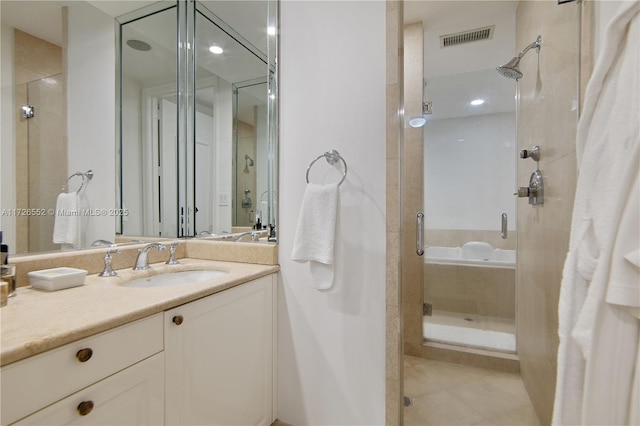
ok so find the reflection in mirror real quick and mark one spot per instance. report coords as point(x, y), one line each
point(182, 179)
point(148, 64)
point(84, 133)
point(250, 142)
point(68, 131)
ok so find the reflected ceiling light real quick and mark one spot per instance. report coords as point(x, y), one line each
point(216, 50)
point(271, 30)
point(139, 45)
point(421, 120)
point(477, 102)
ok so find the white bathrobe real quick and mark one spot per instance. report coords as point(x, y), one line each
point(600, 293)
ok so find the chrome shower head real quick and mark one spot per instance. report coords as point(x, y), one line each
point(248, 161)
point(511, 69)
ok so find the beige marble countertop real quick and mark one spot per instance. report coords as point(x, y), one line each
point(36, 321)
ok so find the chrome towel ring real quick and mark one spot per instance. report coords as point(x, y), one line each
point(332, 158)
point(88, 175)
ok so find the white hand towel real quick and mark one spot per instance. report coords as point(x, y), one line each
point(315, 234)
point(65, 228)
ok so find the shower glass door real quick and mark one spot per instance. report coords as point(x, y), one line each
point(469, 178)
point(469, 170)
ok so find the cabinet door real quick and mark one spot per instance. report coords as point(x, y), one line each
point(219, 358)
point(134, 396)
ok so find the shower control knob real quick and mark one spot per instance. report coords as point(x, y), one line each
point(535, 190)
point(533, 153)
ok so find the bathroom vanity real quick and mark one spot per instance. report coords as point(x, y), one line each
point(102, 353)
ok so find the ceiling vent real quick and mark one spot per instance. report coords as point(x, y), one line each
point(484, 33)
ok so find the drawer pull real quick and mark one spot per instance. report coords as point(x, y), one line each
point(178, 319)
point(85, 407)
point(84, 355)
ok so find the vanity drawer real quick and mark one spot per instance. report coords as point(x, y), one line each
point(38, 381)
point(134, 396)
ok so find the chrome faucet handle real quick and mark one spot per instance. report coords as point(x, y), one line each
point(172, 254)
point(108, 271)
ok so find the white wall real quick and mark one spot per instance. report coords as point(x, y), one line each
point(331, 344)
point(132, 189)
point(91, 111)
point(470, 171)
point(223, 117)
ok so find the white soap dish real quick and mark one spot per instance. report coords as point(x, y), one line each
point(57, 278)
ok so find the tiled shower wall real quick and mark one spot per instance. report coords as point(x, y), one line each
point(547, 116)
point(413, 188)
point(246, 145)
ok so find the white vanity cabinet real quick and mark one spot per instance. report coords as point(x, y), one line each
point(219, 354)
point(112, 378)
point(209, 362)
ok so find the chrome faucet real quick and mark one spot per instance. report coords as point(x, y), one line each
point(142, 261)
point(98, 243)
point(254, 236)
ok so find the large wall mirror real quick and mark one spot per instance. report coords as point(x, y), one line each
point(180, 138)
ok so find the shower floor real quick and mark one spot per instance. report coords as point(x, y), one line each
point(470, 330)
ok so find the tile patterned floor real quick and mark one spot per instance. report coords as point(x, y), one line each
point(452, 394)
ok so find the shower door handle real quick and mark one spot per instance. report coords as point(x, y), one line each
point(504, 226)
point(420, 234)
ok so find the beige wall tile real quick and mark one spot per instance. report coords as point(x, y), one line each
point(470, 289)
point(393, 269)
point(35, 58)
point(547, 91)
point(394, 349)
point(394, 317)
point(412, 187)
point(458, 237)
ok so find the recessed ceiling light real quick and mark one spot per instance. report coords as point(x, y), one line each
point(271, 30)
point(477, 102)
point(216, 49)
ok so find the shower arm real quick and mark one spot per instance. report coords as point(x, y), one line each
point(536, 44)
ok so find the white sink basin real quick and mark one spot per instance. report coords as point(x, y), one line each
point(174, 278)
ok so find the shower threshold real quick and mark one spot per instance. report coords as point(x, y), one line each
point(470, 331)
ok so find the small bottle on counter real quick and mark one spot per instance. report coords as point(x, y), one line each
point(4, 293)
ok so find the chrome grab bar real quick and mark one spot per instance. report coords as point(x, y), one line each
point(420, 233)
point(504, 226)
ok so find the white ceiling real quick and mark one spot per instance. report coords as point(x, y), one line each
point(458, 74)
